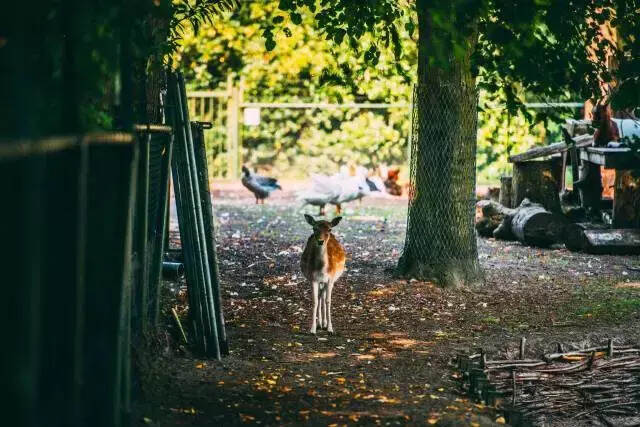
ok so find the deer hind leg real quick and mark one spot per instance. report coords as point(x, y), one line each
point(315, 307)
point(328, 303)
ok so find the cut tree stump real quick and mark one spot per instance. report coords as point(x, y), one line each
point(622, 241)
point(505, 191)
point(535, 226)
point(491, 215)
point(540, 181)
point(626, 200)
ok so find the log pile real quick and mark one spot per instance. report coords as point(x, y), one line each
point(529, 223)
point(594, 385)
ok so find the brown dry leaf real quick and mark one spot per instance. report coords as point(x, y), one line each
point(200, 366)
point(340, 380)
point(404, 342)
point(385, 399)
point(377, 336)
point(365, 357)
point(246, 418)
point(323, 355)
point(354, 418)
point(501, 420)
point(628, 285)
point(432, 421)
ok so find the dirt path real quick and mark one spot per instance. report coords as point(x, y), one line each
point(388, 362)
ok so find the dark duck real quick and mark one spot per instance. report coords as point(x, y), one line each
point(260, 186)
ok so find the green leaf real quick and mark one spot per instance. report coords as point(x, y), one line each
point(270, 44)
point(296, 18)
point(278, 19)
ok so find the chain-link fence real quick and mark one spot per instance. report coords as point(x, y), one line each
point(441, 242)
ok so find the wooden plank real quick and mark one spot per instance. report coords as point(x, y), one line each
point(547, 150)
point(610, 158)
point(207, 94)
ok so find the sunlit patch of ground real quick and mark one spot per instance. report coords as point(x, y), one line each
point(387, 363)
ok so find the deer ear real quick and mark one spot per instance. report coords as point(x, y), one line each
point(335, 221)
point(309, 219)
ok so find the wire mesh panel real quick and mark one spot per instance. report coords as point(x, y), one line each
point(441, 241)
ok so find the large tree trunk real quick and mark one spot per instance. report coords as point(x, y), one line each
point(440, 243)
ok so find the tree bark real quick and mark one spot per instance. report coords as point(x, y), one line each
point(626, 199)
point(440, 243)
point(538, 181)
point(505, 191)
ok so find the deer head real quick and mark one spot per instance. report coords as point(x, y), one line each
point(322, 229)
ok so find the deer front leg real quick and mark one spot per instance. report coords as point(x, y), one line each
point(315, 307)
point(323, 307)
point(328, 302)
point(319, 310)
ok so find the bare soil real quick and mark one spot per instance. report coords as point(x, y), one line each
point(388, 363)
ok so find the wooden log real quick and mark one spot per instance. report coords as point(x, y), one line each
point(574, 234)
point(491, 214)
point(505, 191)
point(535, 226)
point(538, 181)
point(503, 231)
point(548, 150)
point(626, 200)
point(624, 241)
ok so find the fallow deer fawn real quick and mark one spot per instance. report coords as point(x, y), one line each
point(322, 264)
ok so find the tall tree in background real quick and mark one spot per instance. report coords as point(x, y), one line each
point(507, 47)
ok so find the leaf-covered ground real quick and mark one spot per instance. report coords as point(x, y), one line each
point(389, 361)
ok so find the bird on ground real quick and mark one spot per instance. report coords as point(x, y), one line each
point(260, 186)
point(336, 190)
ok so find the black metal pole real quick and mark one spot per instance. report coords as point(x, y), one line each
point(210, 238)
point(212, 340)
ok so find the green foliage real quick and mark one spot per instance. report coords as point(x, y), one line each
point(70, 66)
point(306, 67)
point(549, 49)
point(303, 67)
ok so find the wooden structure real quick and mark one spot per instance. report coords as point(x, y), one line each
point(626, 198)
point(538, 181)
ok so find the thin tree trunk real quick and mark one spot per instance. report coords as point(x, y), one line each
point(441, 243)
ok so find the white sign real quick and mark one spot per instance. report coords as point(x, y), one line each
point(251, 116)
